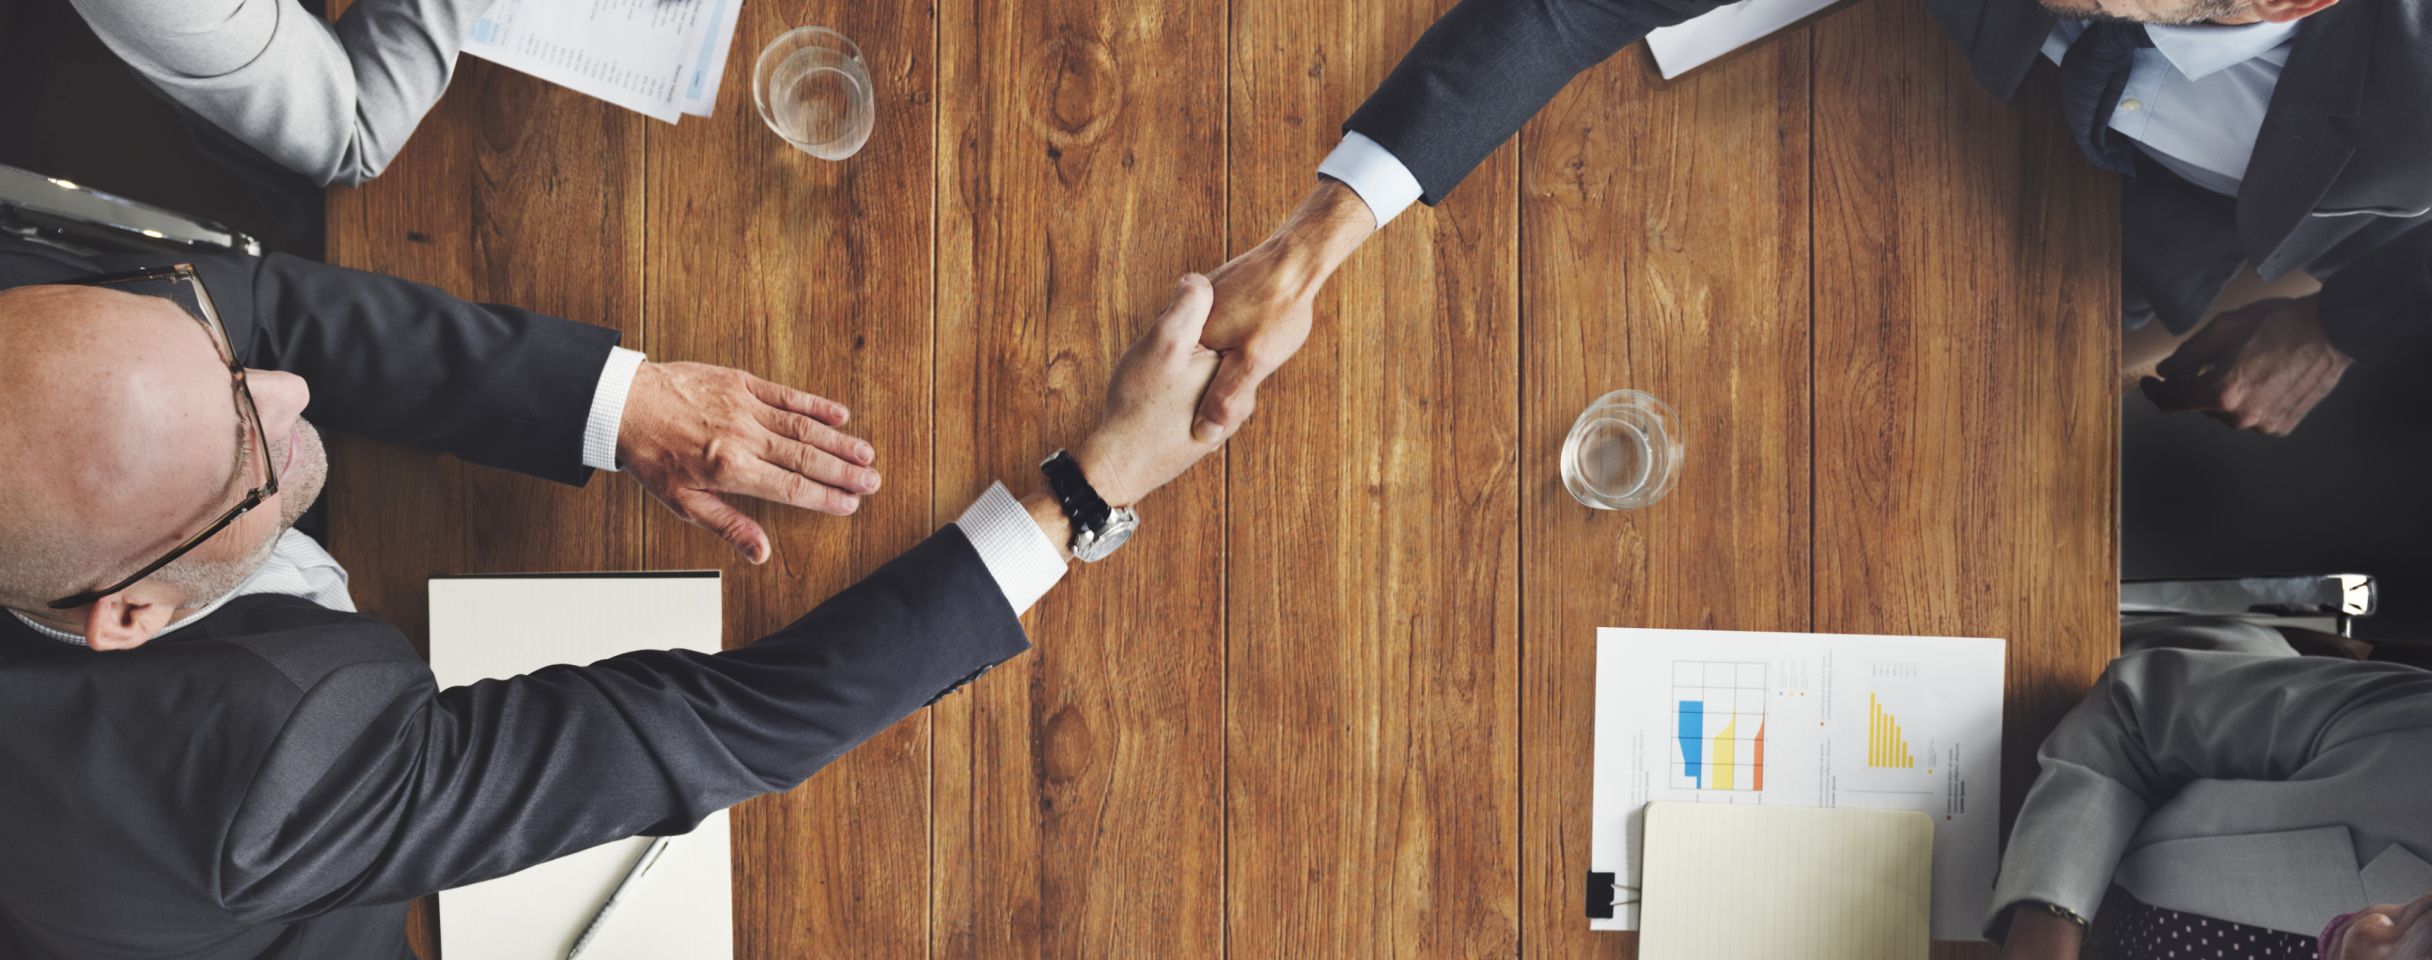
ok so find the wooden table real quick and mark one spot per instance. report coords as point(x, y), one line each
point(1335, 701)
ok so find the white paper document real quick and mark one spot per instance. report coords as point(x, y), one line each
point(663, 58)
point(497, 627)
point(1805, 720)
point(1697, 41)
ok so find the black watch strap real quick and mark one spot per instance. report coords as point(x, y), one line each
point(1082, 505)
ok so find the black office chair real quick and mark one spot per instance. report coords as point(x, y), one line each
point(68, 215)
point(2324, 603)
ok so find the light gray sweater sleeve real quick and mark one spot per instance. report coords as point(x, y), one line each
point(334, 102)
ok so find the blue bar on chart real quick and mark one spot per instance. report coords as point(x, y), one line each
point(1693, 738)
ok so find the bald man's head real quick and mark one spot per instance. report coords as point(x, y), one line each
point(122, 439)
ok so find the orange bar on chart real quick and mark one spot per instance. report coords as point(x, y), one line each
point(1760, 756)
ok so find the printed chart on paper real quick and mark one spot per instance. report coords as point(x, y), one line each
point(1898, 723)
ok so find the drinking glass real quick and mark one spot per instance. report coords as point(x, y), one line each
point(813, 88)
point(1623, 453)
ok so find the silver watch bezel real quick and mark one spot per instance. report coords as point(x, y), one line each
point(1091, 547)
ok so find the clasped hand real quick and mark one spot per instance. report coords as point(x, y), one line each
point(694, 433)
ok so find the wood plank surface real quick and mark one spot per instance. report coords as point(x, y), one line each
point(1081, 173)
point(815, 274)
point(1336, 699)
point(1372, 693)
point(1665, 249)
point(490, 206)
point(1967, 416)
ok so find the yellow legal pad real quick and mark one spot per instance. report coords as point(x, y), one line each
point(1734, 881)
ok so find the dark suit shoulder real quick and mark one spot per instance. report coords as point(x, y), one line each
point(303, 641)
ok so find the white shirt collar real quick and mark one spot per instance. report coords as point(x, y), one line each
point(297, 567)
point(2202, 50)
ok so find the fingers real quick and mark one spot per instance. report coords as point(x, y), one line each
point(819, 466)
point(2178, 395)
point(1230, 397)
point(805, 430)
point(755, 477)
point(703, 509)
point(1183, 320)
point(810, 405)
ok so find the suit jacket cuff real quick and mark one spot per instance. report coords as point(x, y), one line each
point(1373, 172)
point(2071, 833)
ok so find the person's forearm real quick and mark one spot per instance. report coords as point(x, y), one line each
point(1049, 514)
point(1315, 239)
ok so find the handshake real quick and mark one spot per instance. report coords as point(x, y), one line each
point(693, 431)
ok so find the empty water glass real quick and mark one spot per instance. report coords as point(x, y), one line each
point(1623, 452)
point(813, 88)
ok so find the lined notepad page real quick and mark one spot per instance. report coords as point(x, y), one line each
point(1732, 881)
point(497, 627)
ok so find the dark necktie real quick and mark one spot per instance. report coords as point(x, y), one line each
point(2092, 75)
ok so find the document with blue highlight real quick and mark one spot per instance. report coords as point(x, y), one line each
point(1799, 720)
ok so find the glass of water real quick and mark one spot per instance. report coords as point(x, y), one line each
point(1623, 453)
point(813, 88)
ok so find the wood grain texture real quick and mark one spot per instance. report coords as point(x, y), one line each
point(814, 274)
point(1372, 694)
point(1665, 249)
point(1966, 369)
point(1081, 172)
point(492, 207)
point(1336, 700)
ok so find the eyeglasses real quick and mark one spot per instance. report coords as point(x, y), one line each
point(185, 289)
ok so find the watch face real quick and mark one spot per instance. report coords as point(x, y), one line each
point(1119, 527)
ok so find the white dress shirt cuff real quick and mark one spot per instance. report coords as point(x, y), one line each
point(608, 408)
point(1016, 552)
point(1374, 173)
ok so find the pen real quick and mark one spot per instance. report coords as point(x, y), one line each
point(641, 865)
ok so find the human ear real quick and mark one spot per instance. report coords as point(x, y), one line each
point(121, 622)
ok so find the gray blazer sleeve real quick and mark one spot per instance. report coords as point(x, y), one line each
point(1476, 76)
point(332, 102)
point(2163, 718)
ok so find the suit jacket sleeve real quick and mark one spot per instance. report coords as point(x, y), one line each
point(382, 788)
point(402, 362)
point(2159, 720)
point(2381, 305)
point(1476, 76)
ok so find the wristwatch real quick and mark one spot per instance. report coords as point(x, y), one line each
point(1097, 529)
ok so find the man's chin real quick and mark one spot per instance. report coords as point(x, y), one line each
point(307, 472)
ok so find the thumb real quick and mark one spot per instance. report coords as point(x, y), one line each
point(705, 510)
point(1230, 398)
point(1188, 314)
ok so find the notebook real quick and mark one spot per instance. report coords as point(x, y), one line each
point(1704, 39)
point(1729, 881)
point(494, 627)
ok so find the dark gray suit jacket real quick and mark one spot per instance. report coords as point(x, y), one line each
point(277, 780)
point(2340, 182)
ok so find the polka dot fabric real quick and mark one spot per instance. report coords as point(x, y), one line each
point(2130, 929)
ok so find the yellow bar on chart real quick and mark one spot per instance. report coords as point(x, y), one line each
point(1724, 754)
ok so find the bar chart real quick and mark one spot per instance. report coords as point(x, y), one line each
point(1719, 719)
point(1886, 747)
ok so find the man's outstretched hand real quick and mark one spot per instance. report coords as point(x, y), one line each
point(693, 431)
point(1143, 439)
point(1264, 299)
point(2261, 367)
